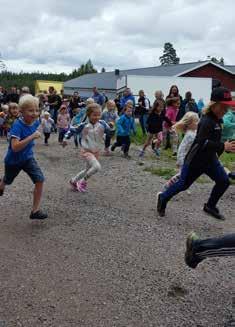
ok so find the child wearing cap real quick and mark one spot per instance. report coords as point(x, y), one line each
point(47, 124)
point(202, 157)
point(20, 152)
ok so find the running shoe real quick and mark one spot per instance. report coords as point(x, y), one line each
point(214, 212)
point(141, 154)
point(38, 215)
point(161, 205)
point(82, 186)
point(190, 257)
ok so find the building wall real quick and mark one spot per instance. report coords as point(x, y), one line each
point(227, 79)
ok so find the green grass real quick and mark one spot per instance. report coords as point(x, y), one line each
point(228, 160)
point(166, 173)
point(138, 139)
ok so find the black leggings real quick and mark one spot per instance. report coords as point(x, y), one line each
point(47, 136)
point(124, 142)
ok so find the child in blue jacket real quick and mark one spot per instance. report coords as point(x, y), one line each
point(125, 125)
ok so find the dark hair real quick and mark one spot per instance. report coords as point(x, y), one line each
point(156, 105)
point(170, 92)
point(188, 95)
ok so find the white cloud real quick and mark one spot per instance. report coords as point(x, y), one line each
point(60, 35)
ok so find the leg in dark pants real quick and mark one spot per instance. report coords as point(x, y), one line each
point(217, 173)
point(62, 133)
point(215, 247)
point(108, 138)
point(141, 120)
point(124, 142)
point(47, 136)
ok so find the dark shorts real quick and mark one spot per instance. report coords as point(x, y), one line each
point(29, 166)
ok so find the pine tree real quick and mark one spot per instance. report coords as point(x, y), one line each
point(216, 61)
point(169, 56)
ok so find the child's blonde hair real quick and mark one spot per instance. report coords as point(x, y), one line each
point(27, 101)
point(89, 101)
point(91, 108)
point(110, 102)
point(12, 105)
point(5, 107)
point(183, 124)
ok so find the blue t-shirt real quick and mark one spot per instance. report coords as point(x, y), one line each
point(20, 130)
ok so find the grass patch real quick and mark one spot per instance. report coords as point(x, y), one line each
point(166, 173)
point(228, 160)
point(139, 138)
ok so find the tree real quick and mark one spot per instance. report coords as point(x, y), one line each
point(2, 64)
point(169, 56)
point(216, 61)
point(103, 70)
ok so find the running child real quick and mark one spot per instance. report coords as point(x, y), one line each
point(125, 125)
point(63, 121)
point(202, 157)
point(110, 116)
point(91, 139)
point(188, 126)
point(20, 152)
point(47, 124)
point(154, 122)
point(80, 117)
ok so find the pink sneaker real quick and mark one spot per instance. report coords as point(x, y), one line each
point(73, 185)
point(82, 186)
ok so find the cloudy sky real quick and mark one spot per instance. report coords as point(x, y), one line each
point(59, 35)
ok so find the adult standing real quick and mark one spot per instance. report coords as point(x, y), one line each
point(12, 96)
point(189, 104)
point(75, 103)
point(144, 106)
point(53, 103)
point(202, 157)
point(97, 97)
point(127, 96)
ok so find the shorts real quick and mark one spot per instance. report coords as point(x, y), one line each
point(29, 166)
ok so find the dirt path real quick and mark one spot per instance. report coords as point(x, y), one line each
point(104, 258)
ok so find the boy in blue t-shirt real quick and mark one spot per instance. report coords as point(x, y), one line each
point(20, 152)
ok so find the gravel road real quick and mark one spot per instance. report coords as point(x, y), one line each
point(104, 258)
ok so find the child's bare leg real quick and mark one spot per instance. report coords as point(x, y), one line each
point(37, 195)
point(148, 141)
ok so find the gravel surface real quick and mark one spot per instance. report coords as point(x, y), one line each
point(105, 258)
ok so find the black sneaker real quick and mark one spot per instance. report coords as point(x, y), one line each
point(38, 215)
point(231, 175)
point(127, 156)
point(214, 212)
point(113, 147)
point(161, 206)
point(190, 258)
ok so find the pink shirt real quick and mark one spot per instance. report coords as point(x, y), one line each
point(63, 121)
point(171, 113)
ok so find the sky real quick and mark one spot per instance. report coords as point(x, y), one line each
point(60, 35)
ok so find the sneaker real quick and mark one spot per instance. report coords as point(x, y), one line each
point(214, 212)
point(161, 206)
point(231, 175)
point(113, 147)
point(190, 258)
point(141, 154)
point(38, 215)
point(73, 185)
point(82, 186)
point(157, 152)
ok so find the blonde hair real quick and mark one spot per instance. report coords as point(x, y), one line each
point(183, 124)
point(27, 101)
point(89, 101)
point(110, 102)
point(91, 108)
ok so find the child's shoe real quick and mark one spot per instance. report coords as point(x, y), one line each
point(157, 152)
point(141, 154)
point(82, 186)
point(38, 215)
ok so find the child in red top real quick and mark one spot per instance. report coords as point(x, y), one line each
point(170, 137)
